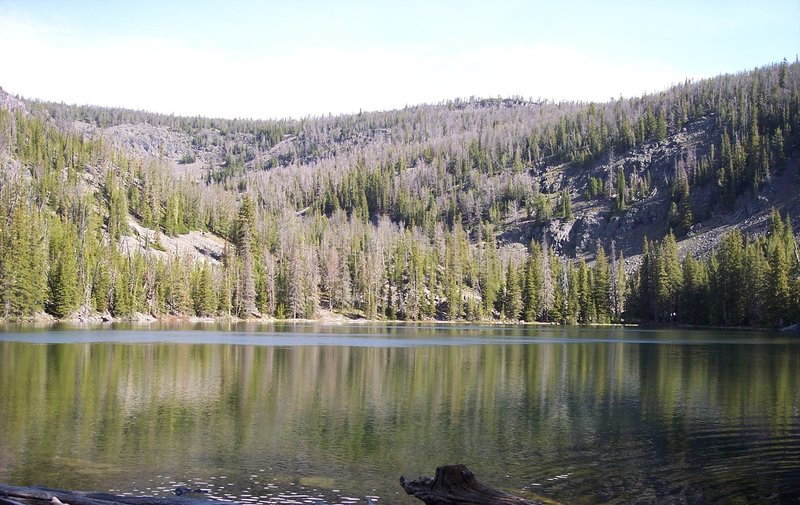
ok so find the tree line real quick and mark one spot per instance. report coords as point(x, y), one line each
point(744, 281)
point(389, 215)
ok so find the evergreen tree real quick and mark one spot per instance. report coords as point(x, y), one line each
point(513, 293)
point(205, 303)
point(64, 295)
point(178, 296)
point(550, 278)
point(601, 287)
point(489, 275)
point(670, 279)
point(586, 308)
point(728, 280)
point(621, 199)
point(620, 291)
point(224, 302)
point(661, 126)
point(693, 296)
point(117, 223)
point(247, 288)
point(779, 299)
point(121, 299)
point(23, 264)
point(565, 206)
point(532, 291)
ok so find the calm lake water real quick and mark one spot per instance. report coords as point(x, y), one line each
point(306, 413)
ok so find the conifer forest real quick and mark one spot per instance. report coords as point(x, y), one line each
point(669, 208)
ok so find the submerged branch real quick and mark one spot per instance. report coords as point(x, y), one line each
point(41, 494)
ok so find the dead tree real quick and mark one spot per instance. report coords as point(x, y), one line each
point(457, 485)
point(15, 495)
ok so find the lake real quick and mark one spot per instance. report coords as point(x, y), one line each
point(311, 413)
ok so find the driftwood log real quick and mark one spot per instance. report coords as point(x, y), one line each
point(15, 495)
point(457, 485)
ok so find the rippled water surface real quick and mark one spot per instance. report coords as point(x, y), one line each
point(311, 413)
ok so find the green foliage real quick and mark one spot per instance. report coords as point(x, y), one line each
point(742, 282)
point(594, 188)
point(565, 206)
point(533, 289)
point(23, 260)
point(63, 296)
point(681, 217)
point(512, 300)
point(391, 214)
point(205, 302)
point(621, 199)
point(244, 243)
point(601, 288)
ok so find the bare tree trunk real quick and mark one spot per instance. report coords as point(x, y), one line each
point(457, 485)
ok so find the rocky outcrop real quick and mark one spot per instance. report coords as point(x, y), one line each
point(597, 222)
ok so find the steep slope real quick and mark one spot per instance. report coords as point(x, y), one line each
point(415, 213)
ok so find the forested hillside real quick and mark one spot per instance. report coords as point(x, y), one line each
point(480, 209)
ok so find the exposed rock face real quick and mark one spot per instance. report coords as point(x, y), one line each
point(596, 221)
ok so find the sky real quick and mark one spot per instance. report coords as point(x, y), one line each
point(297, 58)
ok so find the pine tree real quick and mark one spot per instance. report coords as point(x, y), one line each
point(23, 264)
point(205, 302)
point(513, 293)
point(620, 289)
point(726, 179)
point(247, 288)
point(779, 292)
point(532, 291)
point(64, 295)
point(117, 223)
point(586, 307)
point(310, 278)
point(645, 298)
point(179, 300)
point(661, 126)
point(670, 279)
point(682, 219)
point(224, 301)
point(565, 206)
point(101, 284)
point(489, 274)
point(779, 149)
point(728, 279)
point(549, 278)
point(621, 199)
point(571, 284)
point(601, 287)
point(121, 302)
point(694, 309)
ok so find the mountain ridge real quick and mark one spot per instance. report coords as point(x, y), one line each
point(699, 158)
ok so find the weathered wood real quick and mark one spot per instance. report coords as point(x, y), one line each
point(457, 485)
point(41, 494)
point(9, 501)
point(46, 495)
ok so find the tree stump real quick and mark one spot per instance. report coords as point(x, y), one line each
point(457, 485)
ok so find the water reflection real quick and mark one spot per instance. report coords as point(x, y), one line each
point(615, 419)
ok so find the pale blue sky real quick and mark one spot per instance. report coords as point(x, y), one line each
point(297, 58)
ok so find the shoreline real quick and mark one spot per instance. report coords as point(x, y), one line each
point(325, 317)
point(328, 317)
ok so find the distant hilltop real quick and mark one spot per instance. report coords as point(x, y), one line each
point(412, 214)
